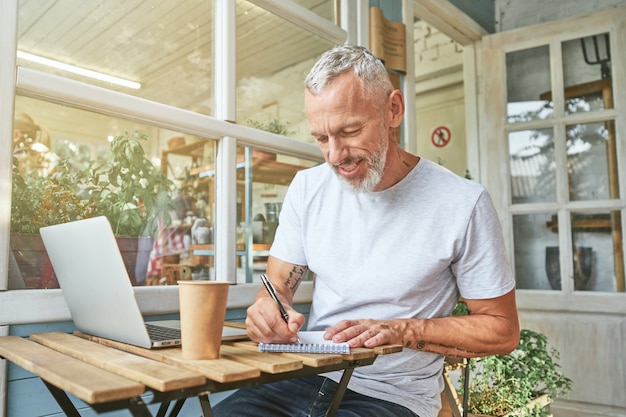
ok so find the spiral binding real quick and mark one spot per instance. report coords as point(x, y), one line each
point(335, 348)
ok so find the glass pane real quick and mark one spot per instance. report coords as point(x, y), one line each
point(597, 254)
point(591, 159)
point(273, 58)
point(536, 252)
point(587, 74)
point(190, 163)
point(264, 178)
point(528, 84)
point(532, 166)
point(164, 46)
point(71, 164)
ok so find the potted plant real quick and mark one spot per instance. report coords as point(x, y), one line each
point(126, 188)
point(272, 126)
point(520, 384)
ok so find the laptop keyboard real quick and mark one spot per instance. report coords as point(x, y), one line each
point(160, 333)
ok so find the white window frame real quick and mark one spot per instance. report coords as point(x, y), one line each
point(493, 140)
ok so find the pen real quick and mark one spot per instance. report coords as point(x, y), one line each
point(270, 289)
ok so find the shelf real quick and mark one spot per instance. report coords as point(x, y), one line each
point(209, 249)
point(591, 88)
point(593, 223)
point(267, 171)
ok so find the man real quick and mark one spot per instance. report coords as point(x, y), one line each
point(393, 240)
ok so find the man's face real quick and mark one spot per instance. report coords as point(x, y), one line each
point(350, 131)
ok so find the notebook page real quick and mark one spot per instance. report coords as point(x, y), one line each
point(310, 342)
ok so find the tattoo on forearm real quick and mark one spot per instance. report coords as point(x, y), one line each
point(445, 349)
point(296, 275)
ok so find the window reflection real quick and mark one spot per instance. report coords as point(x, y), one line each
point(527, 74)
point(532, 165)
point(273, 58)
point(165, 46)
point(588, 168)
point(597, 253)
point(264, 178)
point(140, 177)
point(536, 252)
point(587, 74)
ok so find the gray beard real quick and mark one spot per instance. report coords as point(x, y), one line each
point(374, 175)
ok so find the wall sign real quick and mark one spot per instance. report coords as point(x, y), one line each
point(440, 136)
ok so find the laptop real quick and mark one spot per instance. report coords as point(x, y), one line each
point(96, 287)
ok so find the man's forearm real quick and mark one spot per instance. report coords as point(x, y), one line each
point(460, 336)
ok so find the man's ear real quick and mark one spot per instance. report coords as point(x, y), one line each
point(395, 108)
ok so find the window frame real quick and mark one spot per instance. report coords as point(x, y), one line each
point(496, 129)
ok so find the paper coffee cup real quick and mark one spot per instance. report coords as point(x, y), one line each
point(202, 312)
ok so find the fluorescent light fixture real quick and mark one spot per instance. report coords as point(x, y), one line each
point(78, 70)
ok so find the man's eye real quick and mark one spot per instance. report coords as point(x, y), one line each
point(349, 133)
point(322, 139)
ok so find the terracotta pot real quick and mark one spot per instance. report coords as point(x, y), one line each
point(34, 268)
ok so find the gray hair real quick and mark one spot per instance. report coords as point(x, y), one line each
point(370, 70)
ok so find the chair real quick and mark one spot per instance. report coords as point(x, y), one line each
point(458, 406)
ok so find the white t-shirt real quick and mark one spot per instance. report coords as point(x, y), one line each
point(407, 251)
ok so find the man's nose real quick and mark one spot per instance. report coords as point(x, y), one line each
point(337, 151)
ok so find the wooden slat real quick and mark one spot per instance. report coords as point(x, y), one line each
point(236, 324)
point(387, 349)
point(309, 359)
point(272, 364)
point(157, 375)
point(359, 353)
point(220, 370)
point(89, 383)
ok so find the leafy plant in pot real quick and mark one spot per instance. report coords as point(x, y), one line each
point(520, 384)
point(272, 126)
point(126, 188)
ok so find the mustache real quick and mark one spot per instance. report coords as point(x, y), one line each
point(351, 160)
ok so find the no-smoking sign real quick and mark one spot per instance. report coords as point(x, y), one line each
point(440, 136)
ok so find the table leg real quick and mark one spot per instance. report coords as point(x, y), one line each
point(205, 405)
point(177, 406)
point(163, 409)
point(341, 389)
point(63, 400)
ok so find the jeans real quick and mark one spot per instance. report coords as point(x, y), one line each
point(304, 397)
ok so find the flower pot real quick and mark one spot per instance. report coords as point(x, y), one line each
point(583, 260)
point(35, 269)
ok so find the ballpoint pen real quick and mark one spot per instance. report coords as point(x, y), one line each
point(272, 291)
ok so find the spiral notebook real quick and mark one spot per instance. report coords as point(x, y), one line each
point(310, 342)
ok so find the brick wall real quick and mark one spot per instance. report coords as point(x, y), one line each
point(434, 52)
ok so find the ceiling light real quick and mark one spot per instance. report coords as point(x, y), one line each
point(78, 70)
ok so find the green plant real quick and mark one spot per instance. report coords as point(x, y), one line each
point(129, 190)
point(500, 384)
point(273, 126)
point(126, 188)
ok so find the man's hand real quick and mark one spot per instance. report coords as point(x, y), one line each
point(264, 322)
point(491, 328)
point(366, 332)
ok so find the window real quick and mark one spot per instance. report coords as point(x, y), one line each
point(168, 51)
point(553, 130)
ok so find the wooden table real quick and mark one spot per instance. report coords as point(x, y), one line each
point(110, 375)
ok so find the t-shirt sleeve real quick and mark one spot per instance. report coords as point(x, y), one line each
point(288, 242)
point(482, 268)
